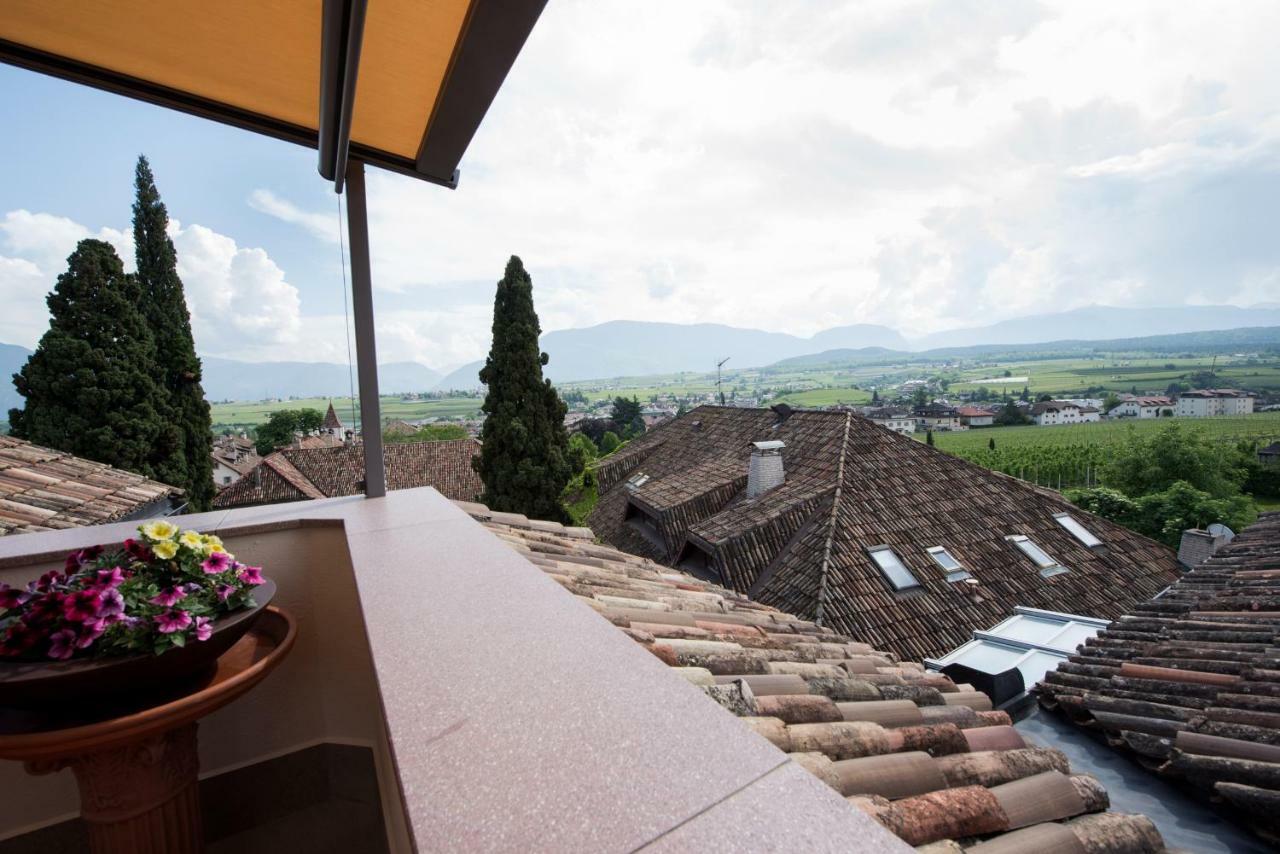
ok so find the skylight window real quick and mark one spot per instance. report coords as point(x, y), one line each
point(1080, 532)
point(637, 480)
point(894, 571)
point(943, 558)
point(1048, 566)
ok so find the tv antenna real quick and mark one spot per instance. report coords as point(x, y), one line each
point(719, 365)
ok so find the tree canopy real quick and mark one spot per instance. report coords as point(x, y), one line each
point(626, 417)
point(283, 424)
point(525, 460)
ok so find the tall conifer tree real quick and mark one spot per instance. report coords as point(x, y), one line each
point(89, 385)
point(182, 456)
point(525, 461)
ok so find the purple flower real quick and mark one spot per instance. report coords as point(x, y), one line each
point(18, 639)
point(113, 577)
point(82, 606)
point(112, 604)
point(224, 591)
point(173, 621)
point(203, 630)
point(168, 597)
point(216, 563)
point(45, 582)
point(251, 575)
point(45, 609)
point(62, 644)
point(90, 632)
point(75, 560)
point(12, 597)
point(138, 550)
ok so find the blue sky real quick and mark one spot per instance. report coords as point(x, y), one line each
point(923, 164)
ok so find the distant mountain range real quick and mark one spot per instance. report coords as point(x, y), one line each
point(637, 348)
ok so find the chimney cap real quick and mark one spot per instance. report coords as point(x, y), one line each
point(770, 445)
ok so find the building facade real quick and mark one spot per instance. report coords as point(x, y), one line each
point(1211, 402)
point(1142, 407)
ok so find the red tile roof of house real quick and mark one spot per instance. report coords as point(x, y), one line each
point(42, 489)
point(296, 474)
point(974, 412)
point(331, 421)
point(924, 756)
point(851, 485)
point(1189, 682)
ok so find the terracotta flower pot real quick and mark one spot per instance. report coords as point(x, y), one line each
point(79, 681)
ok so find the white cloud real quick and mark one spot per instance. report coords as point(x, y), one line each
point(323, 226)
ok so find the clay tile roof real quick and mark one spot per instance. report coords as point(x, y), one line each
point(331, 421)
point(297, 474)
point(973, 412)
point(921, 754)
point(849, 486)
point(42, 489)
point(1189, 681)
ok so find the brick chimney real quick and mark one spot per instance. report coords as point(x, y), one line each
point(1198, 546)
point(765, 471)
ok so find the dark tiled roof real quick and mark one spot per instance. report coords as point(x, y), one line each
point(851, 485)
point(923, 755)
point(331, 420)
point(296, 474)
point(1189, 682)
point(42, 489)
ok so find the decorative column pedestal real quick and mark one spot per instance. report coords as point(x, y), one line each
point(137, 772)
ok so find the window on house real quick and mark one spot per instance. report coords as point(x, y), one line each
point(1080, 532)
point(943, 558)
point(1048, 566)
point(895, 572)
point(637, 480)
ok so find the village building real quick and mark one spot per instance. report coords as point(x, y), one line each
point(897, 420)
point(297, 474)
point(1048, 413)
point(44, 490)
point(976, 416)
point(233, 457)
point(1142, 407)
point(1212, 402)
point(1270, 455)
point(863, 530)
point(937, 416)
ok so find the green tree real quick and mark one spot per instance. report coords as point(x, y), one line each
point(626, 416)
point(609, 443)
point(928, 438)
point(1011, 415)
point(281, 426)
point(991, 443)
point(875, 396)
point(89, 386)
point(1026, 394)
point(427, 433)
point(525, 460)
point(1153, 462)
point(1111, 402)
point(182, 455)
point(586, 448)
point(920, 397)
point(1044, 397)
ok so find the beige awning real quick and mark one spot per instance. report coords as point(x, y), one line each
point(408, 80)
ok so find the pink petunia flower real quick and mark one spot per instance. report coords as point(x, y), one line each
point(62, 644)
point(18, 639)
point(45, 609)
point(90, 632)
point(224, 591)
point(113, 577)
point(45, 582)
point(82, 606)
point(168, 597)
point(138, 550)
point(173, 621)
point(216, 563)
point(112, 603)
point(12, 597)
point(251, 575)
point(203, 629)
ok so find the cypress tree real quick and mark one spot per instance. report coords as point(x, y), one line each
point(182, 456)
point(525, 460)
point(88, 386)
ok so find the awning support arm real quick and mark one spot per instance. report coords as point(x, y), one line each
point(375, 476)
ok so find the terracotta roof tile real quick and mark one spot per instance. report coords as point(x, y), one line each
point(913, 749)
point(1189, 682)
point(43, 489)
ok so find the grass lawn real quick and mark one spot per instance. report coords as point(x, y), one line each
point(1261, 425)
point(241, 414)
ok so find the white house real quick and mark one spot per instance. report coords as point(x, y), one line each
point(897, 420)
point(1049, 413)
point(975, 416)
point(1208, 402)
point(1142, 407)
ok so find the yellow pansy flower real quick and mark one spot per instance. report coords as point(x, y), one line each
point(165, 549)
point(213, 544)
point(159, 530)
point(192, 540)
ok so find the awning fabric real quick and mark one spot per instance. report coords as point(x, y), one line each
point(427, 69)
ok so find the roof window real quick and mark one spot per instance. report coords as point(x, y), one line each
point(637, 480)
point(1048, 566)
point(895, 572)
point(943, 558)
point(1080, 532)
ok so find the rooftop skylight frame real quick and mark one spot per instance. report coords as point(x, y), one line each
point(954, 569)
point(1077, 530)
point(893, 569)
point(1048, 566)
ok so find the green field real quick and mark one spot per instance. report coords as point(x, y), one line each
point(236, 414)
point(1070, 455)
point(1070, 377)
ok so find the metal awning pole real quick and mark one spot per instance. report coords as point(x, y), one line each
point(375, 476)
